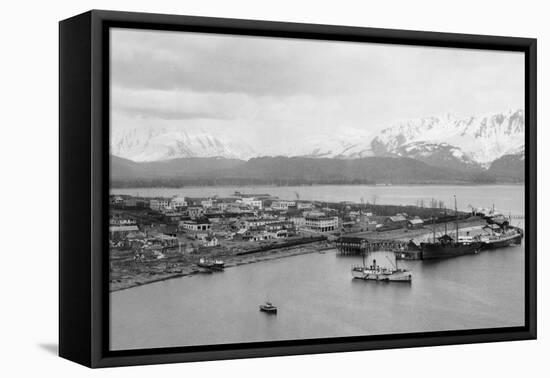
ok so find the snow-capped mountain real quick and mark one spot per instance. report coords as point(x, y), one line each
point(474, 140)
point(152, 144)
point(470, 143)
point(346, 144)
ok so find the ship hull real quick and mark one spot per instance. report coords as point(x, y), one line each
point(502, 242)
point(437, 251)
point(367, 275)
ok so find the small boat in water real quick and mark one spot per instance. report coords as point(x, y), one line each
point(269, 308)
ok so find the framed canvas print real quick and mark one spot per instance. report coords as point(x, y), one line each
point(235, 188)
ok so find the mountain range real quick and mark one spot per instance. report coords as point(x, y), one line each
point(474, 149)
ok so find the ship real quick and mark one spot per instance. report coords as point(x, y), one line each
point(211, 264)
point(500, 237)
point(269, 308)
point(446, 246)
point(375, 272)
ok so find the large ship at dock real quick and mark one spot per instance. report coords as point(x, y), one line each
point(446, 246)
point(500, 236)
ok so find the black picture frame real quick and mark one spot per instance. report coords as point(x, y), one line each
point(83, 181)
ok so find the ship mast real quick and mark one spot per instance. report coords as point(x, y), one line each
point(433, 226)
point(456, 221)
point(445, 221)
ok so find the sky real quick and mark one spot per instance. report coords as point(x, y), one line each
point(267, 89)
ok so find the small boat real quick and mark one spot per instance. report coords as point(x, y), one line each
point(269, 308)
point(211, 264)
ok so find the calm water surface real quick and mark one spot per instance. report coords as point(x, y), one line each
point(505, 197)
point(315, 293)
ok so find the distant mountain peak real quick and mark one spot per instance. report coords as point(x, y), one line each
point(481, 139)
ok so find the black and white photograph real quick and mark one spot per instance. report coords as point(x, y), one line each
point(276, 189)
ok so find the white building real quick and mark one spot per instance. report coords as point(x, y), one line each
point(282, 205)
point(252, 202)
point(178, 203)
point(207, 204)
point(298, 221)
point(321, 223)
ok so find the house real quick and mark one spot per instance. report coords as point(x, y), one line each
point(210, 241)
point(415, 223)
point(319, 223)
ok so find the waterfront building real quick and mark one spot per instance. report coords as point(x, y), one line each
point(415, 223)
point(319, 223)
point(351, 245)
point(396, 221)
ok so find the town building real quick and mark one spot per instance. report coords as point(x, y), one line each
point(396, 221)
point(210, 241)
point(198, 225)
point(207, 203)
point(178, 203)
point(159, 204)
point(415, 223)
point(118, 232)
point(135, 203)
point(195, 212)
point(319, 223)
point(282, 205)
point(252, 202)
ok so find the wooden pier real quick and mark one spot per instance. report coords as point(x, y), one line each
point(356, 246)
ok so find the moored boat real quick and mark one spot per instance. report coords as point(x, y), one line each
point(372, 271)
point(211, 264)
point(500, 237)
point(446, 246)
point(268, 307)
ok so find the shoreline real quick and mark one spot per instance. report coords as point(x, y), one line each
point(275, 254)
point(230, 262)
